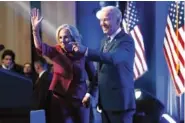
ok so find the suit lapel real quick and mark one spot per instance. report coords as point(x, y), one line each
point(116, 40)
point(38, 79)
point(110, 46)
point(101, 49)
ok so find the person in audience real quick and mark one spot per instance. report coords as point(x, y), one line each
point(8, 61)
point(27, 70)
point(41, 94)
point(71, 96)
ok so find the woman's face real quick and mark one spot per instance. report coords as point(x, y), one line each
point(65, 37)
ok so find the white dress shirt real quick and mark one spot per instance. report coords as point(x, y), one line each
point(111, 38)
point(41, 73)
point(7, 68)
point(114, 34)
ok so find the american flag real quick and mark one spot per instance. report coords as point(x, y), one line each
point(131, 26)
point(174, 45)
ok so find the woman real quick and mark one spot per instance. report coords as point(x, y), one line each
point(70, 98)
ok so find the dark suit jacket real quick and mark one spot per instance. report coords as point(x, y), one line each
point(16, 68)
point(40, 97)
point(115, 73)
point(69, 78)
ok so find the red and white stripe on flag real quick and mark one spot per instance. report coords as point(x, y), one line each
point(131, 26)
point(174, 45)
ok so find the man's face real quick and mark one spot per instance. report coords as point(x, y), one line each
point(7, 61)
point(37, 67)
point(108, 22)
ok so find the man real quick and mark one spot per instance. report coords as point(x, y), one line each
point(27, 70)
point(115, 69)
point(40, 97)
point(8, 61)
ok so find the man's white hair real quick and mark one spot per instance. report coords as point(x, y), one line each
point(72, 30)
point(111, 9)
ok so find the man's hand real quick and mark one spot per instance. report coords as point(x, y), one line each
point(86, 101)
point(67, 47)
point(79, 48)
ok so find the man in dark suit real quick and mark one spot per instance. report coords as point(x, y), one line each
point(41, 95)
point(115, 72)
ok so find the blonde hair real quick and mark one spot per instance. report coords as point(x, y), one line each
point(72, 30)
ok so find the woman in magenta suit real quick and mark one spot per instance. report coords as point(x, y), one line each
point(71, 96)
